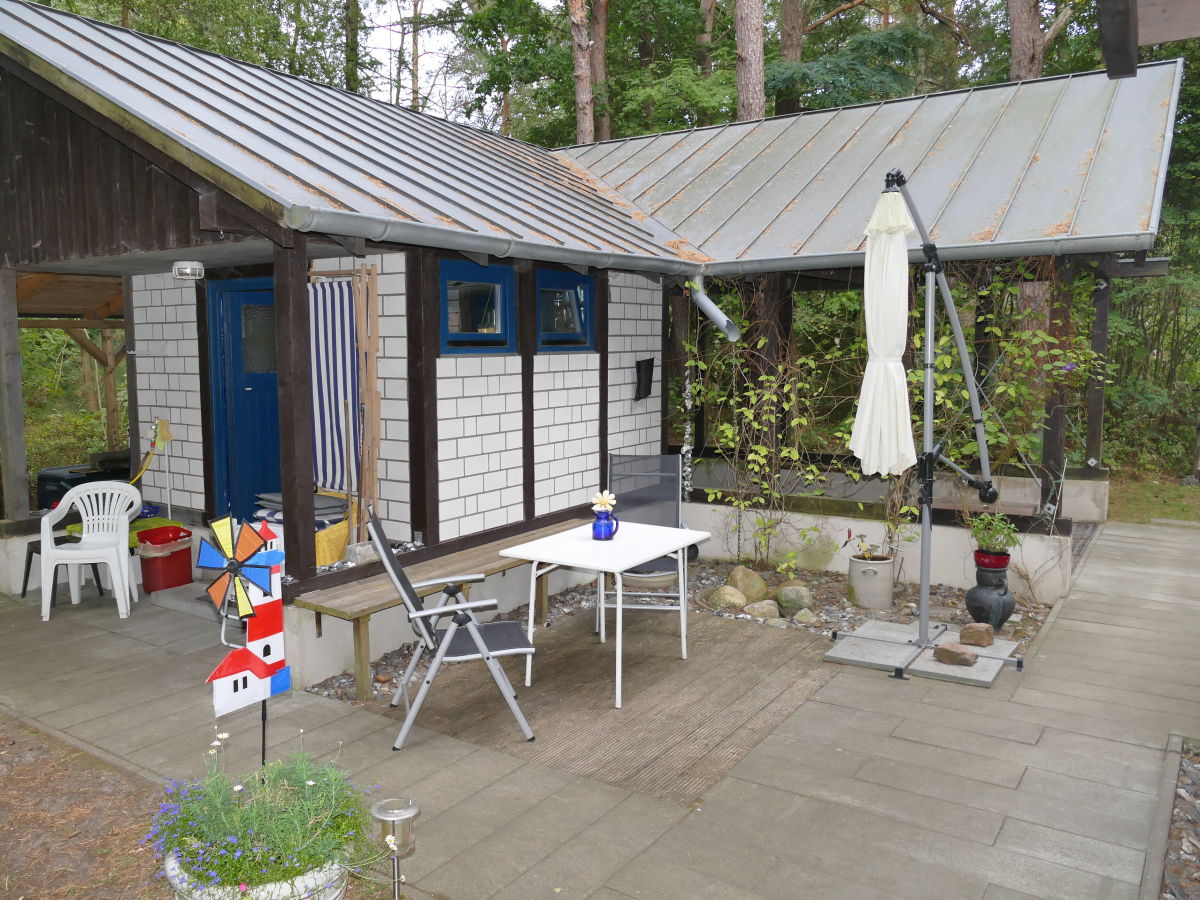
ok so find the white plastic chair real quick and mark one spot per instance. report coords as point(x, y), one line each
point(106, 508)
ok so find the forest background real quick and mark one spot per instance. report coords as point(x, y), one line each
point(572, 71)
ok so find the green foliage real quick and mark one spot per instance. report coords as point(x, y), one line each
point(872, 66)
point(287, 818)
point(993, 532)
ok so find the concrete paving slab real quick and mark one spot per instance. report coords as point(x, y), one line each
point(1111, 860)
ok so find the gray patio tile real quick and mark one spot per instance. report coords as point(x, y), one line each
point(843, 693)
point(822, 726)
point(1112, 655)
point(1090, 820)
point(751, 815)
point(658, 874)
point(1086, 793)
point(806, 878)
point(606, 893)
point(816, 754)
point(1161, 683)
point(1111, 695)
point(72, 687)
point(937, 809)
point(995, 892)
point(1119, 863)
point(602, 849)
point(141, 724)
point(524, 841)
point(1057, 751)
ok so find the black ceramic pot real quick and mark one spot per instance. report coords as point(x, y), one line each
point(990, 600)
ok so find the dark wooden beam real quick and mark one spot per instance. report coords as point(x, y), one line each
point(600, 306)
point(295, 406)
point(1102, 303)
point(14, 482)
point(1119, 36)
point(422, 312)
point(67, 324)
point(1137, 267)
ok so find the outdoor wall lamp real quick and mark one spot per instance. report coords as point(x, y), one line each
point(187, 270)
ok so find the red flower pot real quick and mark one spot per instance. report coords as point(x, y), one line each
point(987, 560)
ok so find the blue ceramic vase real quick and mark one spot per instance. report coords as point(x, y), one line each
point(605, 526)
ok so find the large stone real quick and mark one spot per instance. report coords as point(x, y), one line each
point(751, 584)
point(977, 634)
point(955, 654)
point(793, 596)
point(763, 609)
point(804, 617)
point(728, 598)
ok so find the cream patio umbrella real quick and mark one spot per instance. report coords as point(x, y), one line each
point(882, 436)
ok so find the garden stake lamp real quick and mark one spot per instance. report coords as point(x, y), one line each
point(935, 279)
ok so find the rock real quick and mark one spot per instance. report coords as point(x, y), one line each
point(977, 634)
point(955, 654)
point(804, 617)
point(728, 598)
point(1189, 481)
point(777, 623)
point(383, 677)
point(750, 584)
point(763, 609)
point(795, 595)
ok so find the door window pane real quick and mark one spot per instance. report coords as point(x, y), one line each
point(258, 339)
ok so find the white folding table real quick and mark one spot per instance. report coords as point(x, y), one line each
point(633, 545)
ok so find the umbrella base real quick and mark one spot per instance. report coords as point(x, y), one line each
point(897, 649)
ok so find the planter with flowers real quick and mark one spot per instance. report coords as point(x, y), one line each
point(994, 534)
point(295, 828)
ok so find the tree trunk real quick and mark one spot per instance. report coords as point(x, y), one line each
point(748, 24)
point(415, 59)
point(581, 53)
point(599, 30)
point(708, 12)
point(1028, 42)
point(793, 17)
point(646, 59)
point(352, 22)
point(505, 99)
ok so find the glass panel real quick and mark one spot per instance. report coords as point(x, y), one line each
point(561, 311)
point(258, 339)
point(473, 307)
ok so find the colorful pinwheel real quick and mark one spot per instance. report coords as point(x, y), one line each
point(242, 561)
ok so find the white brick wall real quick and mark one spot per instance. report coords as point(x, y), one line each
point(634, 332)
point(566, 429)
point(393, 469)
point(479, 443)
point(168, 386)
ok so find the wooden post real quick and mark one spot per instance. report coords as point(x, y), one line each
point(1102, 300)
point(14, 481)
point(295, 406)
point(1054, 425)
point(421, 268)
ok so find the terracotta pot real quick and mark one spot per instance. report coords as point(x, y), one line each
point(325, 883)
point(986, 559)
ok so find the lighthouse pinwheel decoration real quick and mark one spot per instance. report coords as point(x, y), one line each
point(242, 560)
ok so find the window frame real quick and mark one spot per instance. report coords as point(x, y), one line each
point(504, 339)
point(558, 279)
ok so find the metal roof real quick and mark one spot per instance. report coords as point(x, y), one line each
point(1072, 164)
point(328, 160)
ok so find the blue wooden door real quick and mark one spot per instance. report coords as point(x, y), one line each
point(245, 394)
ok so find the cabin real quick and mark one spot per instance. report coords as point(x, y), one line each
point(323, 291)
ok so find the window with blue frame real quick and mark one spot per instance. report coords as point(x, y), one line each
point(478, 308)
point(565, 313)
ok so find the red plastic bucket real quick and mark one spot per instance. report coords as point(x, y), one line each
point(987, 560)
point(170, 570)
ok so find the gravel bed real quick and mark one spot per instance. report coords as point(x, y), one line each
point(1181, 868)
point(833, 610)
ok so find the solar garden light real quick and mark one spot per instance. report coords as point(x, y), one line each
point(396, 817)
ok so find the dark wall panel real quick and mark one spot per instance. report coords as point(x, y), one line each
point(70, 191)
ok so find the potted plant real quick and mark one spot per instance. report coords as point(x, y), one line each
point(294, 828)
point(994, 534)
point(871, 573)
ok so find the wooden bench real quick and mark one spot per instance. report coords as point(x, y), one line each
point(357, 601)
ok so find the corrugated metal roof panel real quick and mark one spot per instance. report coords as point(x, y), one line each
point(1066, 164)
point(304, 145)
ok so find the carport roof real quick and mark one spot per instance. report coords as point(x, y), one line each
point(1074, 164)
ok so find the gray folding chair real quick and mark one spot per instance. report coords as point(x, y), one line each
point(464, 639)
point(649, 489)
